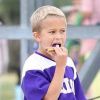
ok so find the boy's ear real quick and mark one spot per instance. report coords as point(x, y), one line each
point(36, 36)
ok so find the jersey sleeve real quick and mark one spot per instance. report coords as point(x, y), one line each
point(34, 85)
point(78, 90)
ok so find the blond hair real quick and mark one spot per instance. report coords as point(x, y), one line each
point(41, 13)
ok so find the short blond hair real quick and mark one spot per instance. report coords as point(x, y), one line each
point(41, 13)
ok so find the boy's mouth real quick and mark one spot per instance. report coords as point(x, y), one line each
point(53, 45)
point(56, 44)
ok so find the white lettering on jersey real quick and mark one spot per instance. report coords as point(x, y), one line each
point(68, 86)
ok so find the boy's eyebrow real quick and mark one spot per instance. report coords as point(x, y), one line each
point(54, 28)
point(63, 28)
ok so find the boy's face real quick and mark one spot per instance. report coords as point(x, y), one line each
point(53, 31)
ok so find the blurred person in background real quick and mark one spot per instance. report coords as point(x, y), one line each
point(73, 46)
point(4, 56)
point(90, 10)
point(85, 12)
point(88, 13)
point(74, 16)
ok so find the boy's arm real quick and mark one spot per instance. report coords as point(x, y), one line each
point(55, 86)
point(34, 85)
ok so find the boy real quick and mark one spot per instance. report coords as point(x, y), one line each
point(48, 74)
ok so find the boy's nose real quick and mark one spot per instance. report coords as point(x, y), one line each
point(58, 36)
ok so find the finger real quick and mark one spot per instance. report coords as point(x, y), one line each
point(58, 50)
point(64, 50)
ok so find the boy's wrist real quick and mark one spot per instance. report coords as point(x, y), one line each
point(60, 68)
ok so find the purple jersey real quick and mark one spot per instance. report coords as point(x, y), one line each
point(37, 75)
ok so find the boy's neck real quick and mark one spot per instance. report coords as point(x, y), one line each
point(45, 53)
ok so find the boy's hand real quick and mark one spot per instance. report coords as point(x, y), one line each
point(59, 54)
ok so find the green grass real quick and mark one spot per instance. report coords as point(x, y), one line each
point(7, 86)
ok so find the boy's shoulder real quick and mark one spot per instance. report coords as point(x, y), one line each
point(70, 62)
point(39, 58)
point(37, 62)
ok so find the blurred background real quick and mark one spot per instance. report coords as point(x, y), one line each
point(16, 42)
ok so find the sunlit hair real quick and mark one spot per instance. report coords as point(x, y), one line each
point(41, 13)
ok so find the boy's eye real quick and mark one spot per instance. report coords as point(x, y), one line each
point(52, 32)
point(62, 31)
